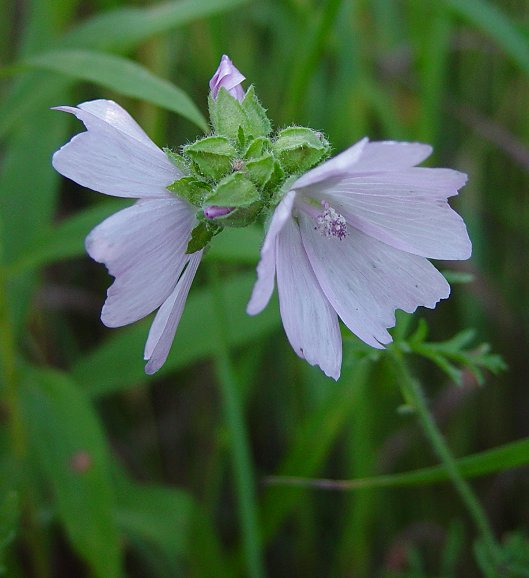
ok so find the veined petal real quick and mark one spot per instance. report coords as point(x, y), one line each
point(229, 77)
point(310, 322)
point(407, 210)
point(264, 286)
point(390, 156)
point(116, 116)
point(112, 156)
point(143, 247)
point(166, 322)
point(365, 280)
point(334, 168)
point(366, 157)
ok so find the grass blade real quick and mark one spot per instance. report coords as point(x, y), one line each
point(120, 75)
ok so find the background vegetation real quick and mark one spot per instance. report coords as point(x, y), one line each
point(105, 472)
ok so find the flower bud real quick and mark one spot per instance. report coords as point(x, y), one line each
point(241, 216)
point(300, 148)
point(235, 190)
point(212, 156)
point(228, 77)
point(214, 211)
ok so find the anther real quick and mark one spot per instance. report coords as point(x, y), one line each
point(331, 224)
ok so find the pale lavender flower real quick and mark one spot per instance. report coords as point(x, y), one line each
point(143, 246)
point(351, 239)
point(228, 77)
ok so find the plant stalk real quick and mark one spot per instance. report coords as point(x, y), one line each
point(414, 396)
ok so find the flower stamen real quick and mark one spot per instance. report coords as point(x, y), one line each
point(331, 224)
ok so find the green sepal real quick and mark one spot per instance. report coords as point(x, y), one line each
point(257, 148)
point(177, 160)
point(259, 170)
point(258, 122)
point(235, 190)
point(276, 177)
point(201, 235)
point(242, 216)
point(279, 193)
point(226, 114)
point(300, 148)
point(191, 189)
point(241, 138)
point(212, 156)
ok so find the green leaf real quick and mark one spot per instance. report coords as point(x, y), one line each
point(9, 519)
point(125, 28)
point(300, 148)
point(257, 148)
point(28, 195)
point(68, 442)
point(121, 75)
point(241, 217)
point(177, 160)
point(260, 169)
point(166, 527)
point(212, 156)
point(490, 19)
point(191, 189)
point(226, 115)
point(258, 123)
point(118, 363)
point(214, 145)
point(35, 190)
point(446, 354)
point(201, 235)
point(157, 516)
point(502, 458)
point(122, 29)
point(235, 190)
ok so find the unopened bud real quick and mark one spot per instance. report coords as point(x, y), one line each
point(228, 77)
point(213, 211)
point(300, 148)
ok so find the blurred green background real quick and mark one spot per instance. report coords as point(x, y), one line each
point(107, 473)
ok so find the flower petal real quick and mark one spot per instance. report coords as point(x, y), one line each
point(228, 77)
point(391, 156)
point(165, 323)
point(264, 286)
point(310, 322)
point(112, 157)
point(367, 157)
point(116, 116)
point(365, 280)
point(407, 210)
point(143, 247)
point(334, 168)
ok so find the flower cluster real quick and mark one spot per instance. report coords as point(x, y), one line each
point(348, 238)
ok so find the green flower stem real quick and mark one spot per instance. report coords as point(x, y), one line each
point(240, 451)
point(414, 396)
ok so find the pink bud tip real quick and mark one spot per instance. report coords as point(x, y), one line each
point(213, 211)
point(228, 77)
